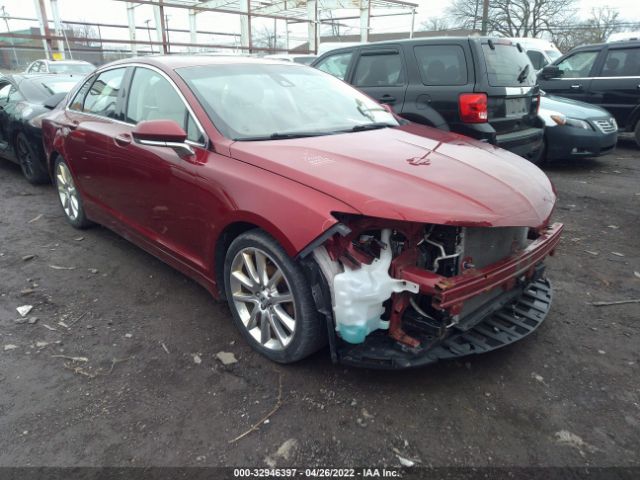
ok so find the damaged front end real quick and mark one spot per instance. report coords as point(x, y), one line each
point(398, 294)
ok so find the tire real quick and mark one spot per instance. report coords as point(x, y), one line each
point(271, 305)
point(69, 196)
point(30, 161)
point(636, 133)
point(540, 157)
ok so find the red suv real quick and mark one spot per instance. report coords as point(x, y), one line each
point(319, 214)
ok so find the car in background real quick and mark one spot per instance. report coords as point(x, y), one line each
point(23, 101)
point(576, 129)
point(481, 87)
point(68, 67)
point(606, 75)
point(541, 52)
point(319, 215)
point(302, 58)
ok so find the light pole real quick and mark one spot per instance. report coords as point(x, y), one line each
point(147, 21)
point(5, 15)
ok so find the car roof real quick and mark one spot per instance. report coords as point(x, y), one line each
point(620, 43)
point(179, 61)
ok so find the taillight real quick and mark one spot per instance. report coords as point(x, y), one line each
point(473, 107)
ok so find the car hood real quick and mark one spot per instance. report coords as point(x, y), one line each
point(412, 173)
point(572, 108)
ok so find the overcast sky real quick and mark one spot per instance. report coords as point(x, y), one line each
point(111, 11)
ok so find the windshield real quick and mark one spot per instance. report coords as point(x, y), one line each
point(81, 68)
point(262, 101)
point(506, 65)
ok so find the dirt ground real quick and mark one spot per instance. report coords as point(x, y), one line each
point(152, 393)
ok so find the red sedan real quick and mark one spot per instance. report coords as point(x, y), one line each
point(319, 215)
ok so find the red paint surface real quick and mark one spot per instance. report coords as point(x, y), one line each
point(177, 208)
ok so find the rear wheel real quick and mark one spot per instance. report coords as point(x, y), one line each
point(30, 161)
point(539, 157)
point(270, 299)
point(69, 196)
point(637, 133)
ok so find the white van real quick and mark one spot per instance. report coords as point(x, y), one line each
point(541, 52)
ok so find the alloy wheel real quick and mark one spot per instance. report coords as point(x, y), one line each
point(263, 298)
point(67, 192)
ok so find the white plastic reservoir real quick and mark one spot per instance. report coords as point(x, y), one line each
point(359, 295)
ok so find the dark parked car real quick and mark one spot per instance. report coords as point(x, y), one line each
point(576, 129)
point(318, 215)
point(23, 100)
point(607, 75)
point(480, 87)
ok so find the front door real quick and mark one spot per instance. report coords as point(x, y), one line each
point(575, 80)
point(155, 188)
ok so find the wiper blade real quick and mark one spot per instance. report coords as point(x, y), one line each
point(523, 74)
point(370, 126)
point(283, 136)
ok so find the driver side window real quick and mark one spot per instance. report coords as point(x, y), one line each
point(578, 65)
point(152, 97)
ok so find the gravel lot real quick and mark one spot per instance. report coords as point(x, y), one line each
point(151, 392)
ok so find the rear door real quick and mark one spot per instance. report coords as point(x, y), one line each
point(90, 124)
point(439, 73)
point(616, 87)
point(155, 190)
point(381, 73)
point(575, 80)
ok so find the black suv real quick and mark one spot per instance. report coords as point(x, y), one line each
point(607, 75)
point(481, 87)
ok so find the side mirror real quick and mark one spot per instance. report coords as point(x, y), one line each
point(551, 71)
point(162, 133)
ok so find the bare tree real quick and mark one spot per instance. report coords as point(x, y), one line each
point(435, 24)
point(513, 18)
point(265, 37)
point(81, 35)
point(602, 22)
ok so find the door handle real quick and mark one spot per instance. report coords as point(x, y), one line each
point(576, 87)
point(387, 99)
point(122, 139)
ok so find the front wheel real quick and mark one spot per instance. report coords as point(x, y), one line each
point(270, 299)
point(637, 133)
point(69, 196)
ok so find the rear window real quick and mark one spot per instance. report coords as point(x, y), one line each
point(441, 64)
point(506, 66)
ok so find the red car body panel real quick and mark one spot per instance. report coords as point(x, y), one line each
point(178, 208)
point(422, 175)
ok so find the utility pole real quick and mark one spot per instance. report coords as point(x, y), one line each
point(147, 21)
point(5, 15)
point(485, 16)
